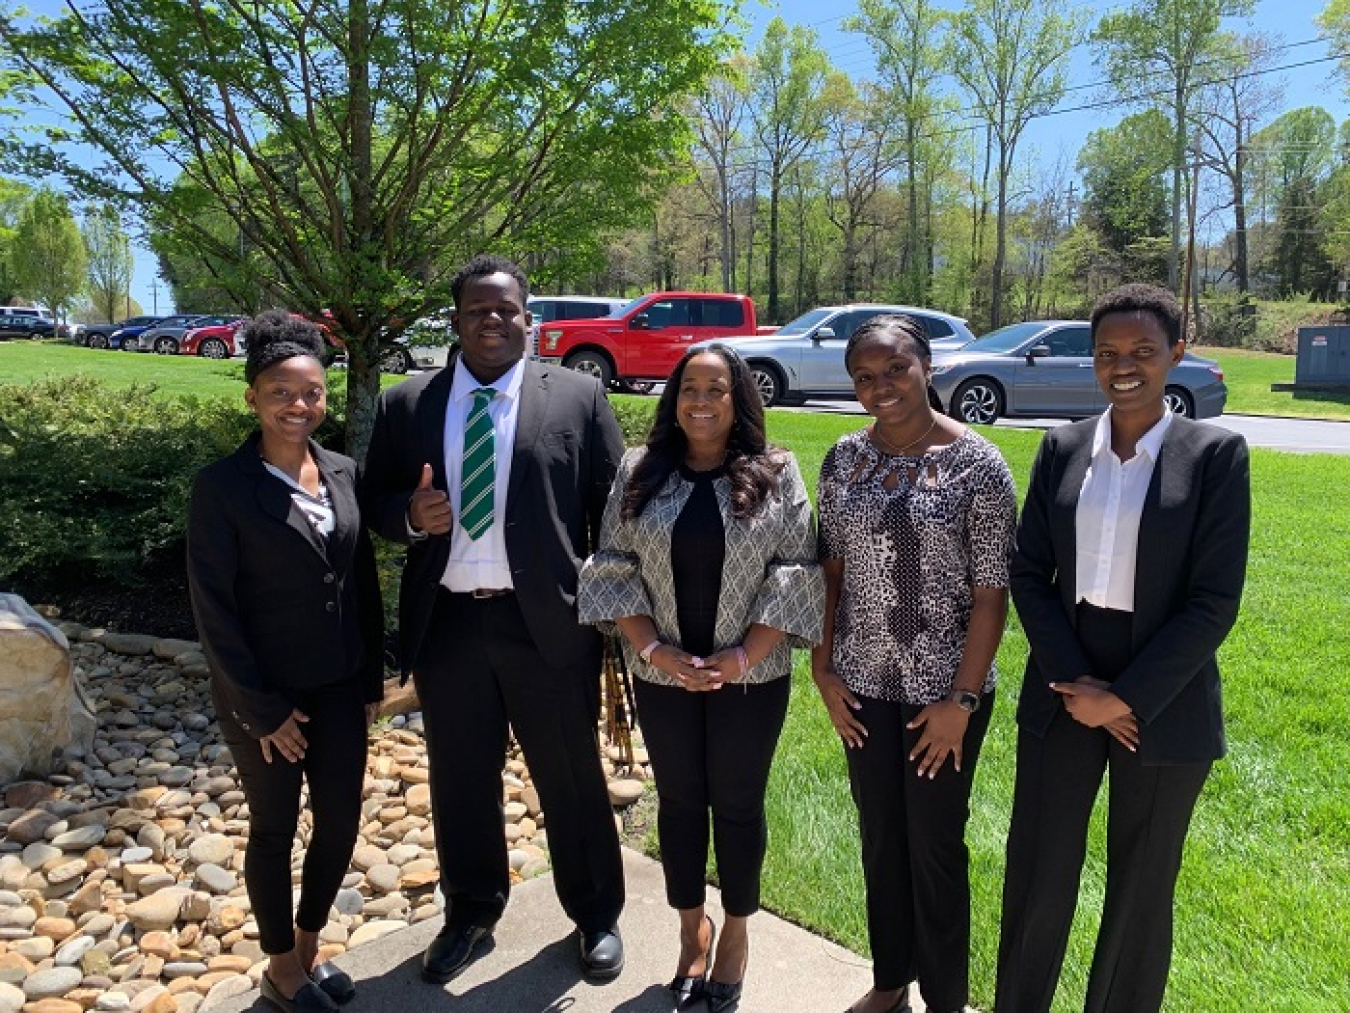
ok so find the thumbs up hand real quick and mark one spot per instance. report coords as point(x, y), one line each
point(429, 509)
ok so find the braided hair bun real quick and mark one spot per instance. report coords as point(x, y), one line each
point(274, 336)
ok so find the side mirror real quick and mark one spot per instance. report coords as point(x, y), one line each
point(639, 323)
point(823, 333)
point(1038, 352)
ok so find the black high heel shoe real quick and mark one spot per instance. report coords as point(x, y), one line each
point(335, 982)
point(720, 995)
point(689, 988)
point(310, 998)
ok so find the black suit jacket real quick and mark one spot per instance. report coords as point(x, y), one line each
point(567, 449)
point(1189, 572)
point(279, 608)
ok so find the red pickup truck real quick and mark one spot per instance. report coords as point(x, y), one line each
point(645, 339)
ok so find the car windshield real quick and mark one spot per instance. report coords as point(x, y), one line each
point(806, 322)
point(632, 304)
point(1005, 339)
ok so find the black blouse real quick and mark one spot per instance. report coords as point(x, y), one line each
point(698, 548)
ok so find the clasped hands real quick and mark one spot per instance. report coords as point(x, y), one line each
point(1090, 702)
point(943, 725)
point(698, 675)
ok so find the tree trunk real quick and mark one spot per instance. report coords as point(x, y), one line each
point(775, 186)
point(1178, 168)
point(1240, 259)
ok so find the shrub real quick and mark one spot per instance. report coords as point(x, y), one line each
point(635, 416)
point(94, 482)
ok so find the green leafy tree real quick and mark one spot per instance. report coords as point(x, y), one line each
point(13, 196)
point(718, 114)
point(1124, 172)
point(788, 77)
point(362, 149)
point(1151, 53)
point(907, 38)
point(110, 261)
point(1011, 58)
point(47, 256)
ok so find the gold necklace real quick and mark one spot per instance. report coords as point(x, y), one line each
point(887, 446)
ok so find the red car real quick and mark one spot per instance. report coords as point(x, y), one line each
point(217, 342)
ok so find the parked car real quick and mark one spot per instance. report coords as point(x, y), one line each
point(131, 338)
point(13, 325)
point(805, 358)
point(1043, 369)
point(100, 335)
point(216, 341)
point(164, 337)
point(643, 340)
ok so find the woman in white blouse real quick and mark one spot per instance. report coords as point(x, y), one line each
point(1131, 555)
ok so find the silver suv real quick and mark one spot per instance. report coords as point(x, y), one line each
point(805, 358)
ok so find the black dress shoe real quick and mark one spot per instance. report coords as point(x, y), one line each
point(452, 950)
point(310, 998)
point(601, 954)
point(336, 983)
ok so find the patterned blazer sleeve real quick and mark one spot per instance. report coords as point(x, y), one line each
point(792, 596)
point(611, 586)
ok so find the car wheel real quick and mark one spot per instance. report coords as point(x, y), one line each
point(592, 364)
point(978, 402)
point(166, 346)
point(213, 348)
point(636, 386)
point(131, 345)
point(769, 382)
point(98, 341)
point(395, 360)
point(1178, 401)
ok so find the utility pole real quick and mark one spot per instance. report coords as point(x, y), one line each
point(1069, 202)
point(154, 295)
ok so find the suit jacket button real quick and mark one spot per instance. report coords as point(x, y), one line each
point(328, 578)
point(331, 606)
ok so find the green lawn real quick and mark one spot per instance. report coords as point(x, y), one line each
point(1266, 888)
point(1249, 376)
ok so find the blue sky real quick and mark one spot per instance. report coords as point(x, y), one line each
point(1057, 136)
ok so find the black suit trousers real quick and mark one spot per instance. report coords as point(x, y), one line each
point(1149, 811)
point(480, 676)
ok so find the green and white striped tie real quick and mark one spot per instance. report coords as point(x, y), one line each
point(479, 468)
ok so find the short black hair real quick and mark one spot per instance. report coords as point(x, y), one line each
point(274, 336)
point(1137, 297)
point(483, 265)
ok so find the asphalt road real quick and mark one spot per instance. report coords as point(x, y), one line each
point(1303, 436)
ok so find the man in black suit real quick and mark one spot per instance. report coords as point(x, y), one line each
point(494, 472)
point(1128, 573)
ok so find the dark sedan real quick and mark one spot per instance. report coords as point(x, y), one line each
point(1043, 369)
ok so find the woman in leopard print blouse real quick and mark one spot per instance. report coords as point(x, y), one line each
point(917, 516)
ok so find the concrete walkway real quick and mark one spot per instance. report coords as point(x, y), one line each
point(531, 966)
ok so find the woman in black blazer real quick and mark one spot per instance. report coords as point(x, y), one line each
point(287, 604)
point(1131, 556)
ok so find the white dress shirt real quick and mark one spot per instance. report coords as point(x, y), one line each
point(481, 562)
point(1107, 520)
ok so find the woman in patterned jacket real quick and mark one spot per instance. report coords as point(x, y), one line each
point(707, 566)
point(917, 519)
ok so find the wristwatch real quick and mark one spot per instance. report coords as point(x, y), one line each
point(965, 699)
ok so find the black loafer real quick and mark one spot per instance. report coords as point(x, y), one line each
point(452, 951)
point(601, 954)
point(336, 983)
point(310, 998)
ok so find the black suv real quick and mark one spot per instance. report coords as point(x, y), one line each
point(13, 325)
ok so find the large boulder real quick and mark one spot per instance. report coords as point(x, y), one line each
point(43, 710)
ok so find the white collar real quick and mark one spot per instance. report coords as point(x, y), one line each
point(1150, 443)
point(507, 385)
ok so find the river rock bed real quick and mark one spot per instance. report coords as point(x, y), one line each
point(121, 885)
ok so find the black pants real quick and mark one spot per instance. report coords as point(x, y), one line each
point(712, 751)
point(335, 767)
point(1149, 812)
point(480, 676)
point(915, 860)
